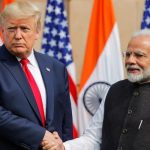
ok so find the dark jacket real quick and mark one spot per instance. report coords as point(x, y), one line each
point(126, 123)
point(20, 124)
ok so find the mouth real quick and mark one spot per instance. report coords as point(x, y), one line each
point(133, 70)
point(18, 45)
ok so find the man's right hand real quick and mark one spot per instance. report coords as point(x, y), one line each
point(52, 141)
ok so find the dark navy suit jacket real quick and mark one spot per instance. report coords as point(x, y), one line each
point(20, 123)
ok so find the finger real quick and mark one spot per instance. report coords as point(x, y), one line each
point(54, 148)
point(49, 147)
point(55, 134)
point(46, 147)
point(44, 142)
point(51, 142)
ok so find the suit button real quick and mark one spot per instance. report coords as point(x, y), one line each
point(129, 112)
point(136, 93)
point(119, 148)
point(124, 131)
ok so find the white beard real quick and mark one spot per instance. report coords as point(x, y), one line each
point(144, 76)
point(135, 78)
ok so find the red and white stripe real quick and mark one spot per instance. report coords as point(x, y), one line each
point(73, 96)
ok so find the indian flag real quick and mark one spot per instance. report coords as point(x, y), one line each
point(102, 63)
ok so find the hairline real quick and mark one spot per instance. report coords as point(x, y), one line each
point(144, 32)
point(22, 12)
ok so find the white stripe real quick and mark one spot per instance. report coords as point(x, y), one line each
point(72, 72)
point(74, 112)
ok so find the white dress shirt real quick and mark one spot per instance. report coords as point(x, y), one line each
point(91, 138)
point(35, 70)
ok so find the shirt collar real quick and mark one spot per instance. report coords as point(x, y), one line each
point(31, 59)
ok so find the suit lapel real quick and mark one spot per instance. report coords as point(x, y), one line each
point(47, 75)
point(15, 69)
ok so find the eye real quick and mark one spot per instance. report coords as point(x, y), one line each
point(25, 29)
point(127, 54)
point(11, 29)
point(139, 55)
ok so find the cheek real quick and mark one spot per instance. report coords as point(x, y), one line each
point(29, 40)
point(31, 37)
point(7, 38)
point(7, 34)
point(37, 36)
point(145, 63)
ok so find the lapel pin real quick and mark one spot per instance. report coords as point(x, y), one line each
point(48, 69)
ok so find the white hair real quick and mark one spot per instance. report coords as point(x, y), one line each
point(141, 32)
point(21, 10)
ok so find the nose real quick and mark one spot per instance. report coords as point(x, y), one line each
point(18, 34)
point(130, 60)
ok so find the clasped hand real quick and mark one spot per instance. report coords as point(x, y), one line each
point(52, 141)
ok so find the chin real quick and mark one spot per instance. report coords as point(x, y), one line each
point(134, 77)
point(20, 53)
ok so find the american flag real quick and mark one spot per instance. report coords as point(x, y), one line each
point(146, 16)
point(56, 43)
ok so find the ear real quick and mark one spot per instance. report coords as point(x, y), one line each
point(37, 34)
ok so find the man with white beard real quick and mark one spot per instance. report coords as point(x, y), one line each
point(123, 123)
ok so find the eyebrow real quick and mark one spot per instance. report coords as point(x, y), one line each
point(136, 51)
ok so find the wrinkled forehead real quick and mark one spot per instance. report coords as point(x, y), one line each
point(141, 42)
point(16, 17)
point(20, 20)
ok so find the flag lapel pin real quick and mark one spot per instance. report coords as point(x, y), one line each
point(47, 69)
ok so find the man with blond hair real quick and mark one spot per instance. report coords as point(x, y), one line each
point(34, 93)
